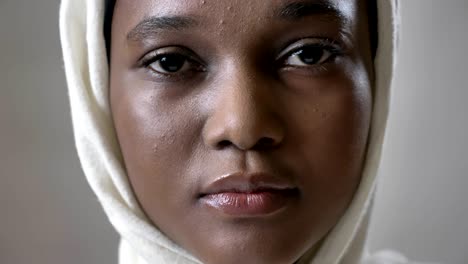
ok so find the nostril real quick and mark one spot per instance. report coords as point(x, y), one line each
point(224, 144)
point(262, 144)
point(265, 142)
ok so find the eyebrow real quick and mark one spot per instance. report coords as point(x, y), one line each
point(301, 9)
point(151, 25)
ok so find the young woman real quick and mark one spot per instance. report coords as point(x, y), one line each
point(232, 131)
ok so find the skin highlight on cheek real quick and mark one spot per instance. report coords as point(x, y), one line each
point(243, 127)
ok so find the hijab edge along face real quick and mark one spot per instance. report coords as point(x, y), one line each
point(101, 160)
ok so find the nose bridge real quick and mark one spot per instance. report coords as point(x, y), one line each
point(243, 115)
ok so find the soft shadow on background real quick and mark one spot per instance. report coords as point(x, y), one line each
point(48, 214)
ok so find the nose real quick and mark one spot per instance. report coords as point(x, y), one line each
point(244, 114)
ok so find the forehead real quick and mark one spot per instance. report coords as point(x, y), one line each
point(241, 12)
point(190, 6)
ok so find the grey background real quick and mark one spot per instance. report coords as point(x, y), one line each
point(48, 215)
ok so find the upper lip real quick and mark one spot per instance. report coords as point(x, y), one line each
point(242, 182)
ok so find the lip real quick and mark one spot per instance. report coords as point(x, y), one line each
point(248, 195)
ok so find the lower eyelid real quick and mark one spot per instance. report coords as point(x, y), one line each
point(186, 75)
point(312, 71)
point(327, 65)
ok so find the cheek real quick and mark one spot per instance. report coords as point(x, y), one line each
point(328, 129)
point(158, 138)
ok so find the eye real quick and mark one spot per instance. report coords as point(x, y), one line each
point(307, 56)
point(310, 52)
point(170, 63)
point(173, 61)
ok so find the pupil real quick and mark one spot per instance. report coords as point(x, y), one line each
point(310, 55)
point(172, 63)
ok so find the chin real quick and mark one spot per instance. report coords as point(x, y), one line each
point(238, 256)
point(249, 245)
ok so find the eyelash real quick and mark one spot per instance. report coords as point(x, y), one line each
point(154, 57)
point(325, 45)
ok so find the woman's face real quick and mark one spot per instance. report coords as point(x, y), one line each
point(242, 123)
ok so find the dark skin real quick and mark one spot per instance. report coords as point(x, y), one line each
point(208, 88)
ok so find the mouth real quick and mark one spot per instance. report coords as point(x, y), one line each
point(248, 195)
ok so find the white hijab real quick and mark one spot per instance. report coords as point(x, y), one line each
point(86, 66)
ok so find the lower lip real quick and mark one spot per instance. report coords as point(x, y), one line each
point(249, 204)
